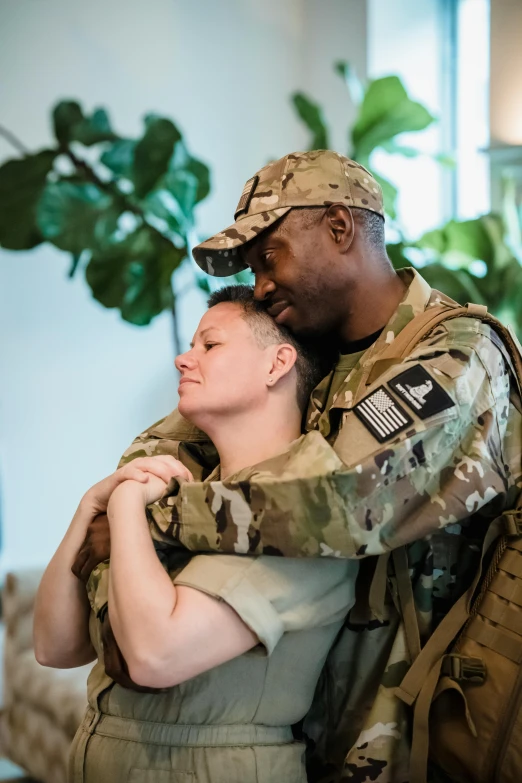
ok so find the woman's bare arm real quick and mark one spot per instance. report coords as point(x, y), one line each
point(61, 620)
point(166, 634)
point(61, 617)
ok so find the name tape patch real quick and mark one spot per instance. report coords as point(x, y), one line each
point(382, 415)
point(421, 392)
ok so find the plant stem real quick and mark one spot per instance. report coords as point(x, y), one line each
point(175, 326)
point(13, 140)
point(107, 187)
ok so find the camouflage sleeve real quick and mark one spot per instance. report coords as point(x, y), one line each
point(440, 469)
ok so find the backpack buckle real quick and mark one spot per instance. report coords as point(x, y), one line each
point(512, 521)
point(464, 669)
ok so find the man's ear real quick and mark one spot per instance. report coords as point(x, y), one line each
point(283, 360)
point(341, 225)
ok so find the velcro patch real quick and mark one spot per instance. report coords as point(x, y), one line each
point(382, 415)
point(246, 196)
point(421, 392)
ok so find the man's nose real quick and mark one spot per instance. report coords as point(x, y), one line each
point(263, 287)
point(185, 361)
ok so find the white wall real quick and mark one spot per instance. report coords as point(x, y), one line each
point(332, 34)
point(77, 383)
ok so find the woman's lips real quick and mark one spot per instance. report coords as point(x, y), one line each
point(185, 380)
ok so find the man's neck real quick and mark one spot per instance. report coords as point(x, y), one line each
point(251, 437)
point(373, 300)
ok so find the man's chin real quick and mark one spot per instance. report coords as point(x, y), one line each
point(303, 329)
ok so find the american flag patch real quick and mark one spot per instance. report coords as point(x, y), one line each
point(382, 415)
point(246, 196)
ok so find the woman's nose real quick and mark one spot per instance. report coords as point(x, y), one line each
point(263, 287)
point(185, 361)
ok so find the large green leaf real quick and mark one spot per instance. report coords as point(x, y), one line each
point(152, 153)
point(162, 204)
point(182, 159)
point(202, 173)
point(508, 306)
point(21, 184)
point(312, 116)
point(434, 240)
point(135, 275)
point(386, 111)
point(183, 185)
point(119, 157)
point(94, 129)
point(68, 212)
point(70, 124)
point(66, 115)
point(497, 230)
point(456, 283)
point(464, 239)
point(470, 238)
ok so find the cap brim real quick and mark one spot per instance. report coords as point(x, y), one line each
point(219, 256)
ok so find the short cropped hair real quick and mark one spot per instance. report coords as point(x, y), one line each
point(369, 223)
point(310, 369)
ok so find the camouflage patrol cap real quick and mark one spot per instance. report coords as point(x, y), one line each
point(301, 179)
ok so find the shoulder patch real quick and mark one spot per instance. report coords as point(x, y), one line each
point(382, 415)
point(421, 392)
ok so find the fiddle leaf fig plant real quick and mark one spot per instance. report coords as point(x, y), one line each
point(470, 261)
point(385, 111)
point(122, 207)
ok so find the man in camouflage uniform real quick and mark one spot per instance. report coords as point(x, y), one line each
point(429, 444)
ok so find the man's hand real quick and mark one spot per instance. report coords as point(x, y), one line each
point(95, 549)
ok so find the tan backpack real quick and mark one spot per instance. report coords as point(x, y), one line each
point(465, 685)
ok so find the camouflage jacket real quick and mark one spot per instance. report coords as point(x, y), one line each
point(430, 454)
point(308, 456)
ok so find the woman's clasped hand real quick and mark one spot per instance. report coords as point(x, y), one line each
point(155, 472)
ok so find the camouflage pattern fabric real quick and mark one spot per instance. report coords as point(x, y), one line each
point(308, 456)
point(434, 486)
point(301, 179)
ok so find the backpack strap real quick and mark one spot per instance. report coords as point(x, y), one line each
point(420, 326)
point(406, 602)
point(420, 685)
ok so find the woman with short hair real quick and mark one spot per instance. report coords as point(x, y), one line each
point(232, 645)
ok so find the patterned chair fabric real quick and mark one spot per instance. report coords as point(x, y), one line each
point(42, 707)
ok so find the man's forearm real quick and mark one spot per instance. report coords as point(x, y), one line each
point(386, 501)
